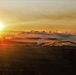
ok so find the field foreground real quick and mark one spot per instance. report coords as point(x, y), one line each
point(27, 59)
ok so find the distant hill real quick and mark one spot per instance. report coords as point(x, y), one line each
point(60, 43)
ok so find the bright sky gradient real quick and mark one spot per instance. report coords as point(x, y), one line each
point(22, 15)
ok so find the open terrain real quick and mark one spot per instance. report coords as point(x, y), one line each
point(30, 59)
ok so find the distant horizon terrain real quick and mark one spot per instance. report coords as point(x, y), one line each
point(41, 37)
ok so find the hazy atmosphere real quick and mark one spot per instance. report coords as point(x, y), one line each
point(37, 37)
point(22, 15)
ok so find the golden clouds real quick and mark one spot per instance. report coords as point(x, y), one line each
point(22, 20)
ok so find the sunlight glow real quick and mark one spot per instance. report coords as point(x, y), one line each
point(1, 26)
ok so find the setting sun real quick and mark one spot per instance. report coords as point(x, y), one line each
point(1, 26)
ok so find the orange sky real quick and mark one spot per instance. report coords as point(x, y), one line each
point(22, 15)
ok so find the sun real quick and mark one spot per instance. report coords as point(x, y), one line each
point(1, 26)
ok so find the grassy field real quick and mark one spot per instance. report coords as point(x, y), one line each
point(28, 59)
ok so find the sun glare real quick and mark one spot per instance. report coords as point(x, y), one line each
point(1, 26)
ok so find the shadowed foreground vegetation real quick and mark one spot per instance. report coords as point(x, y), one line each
point(28, 59)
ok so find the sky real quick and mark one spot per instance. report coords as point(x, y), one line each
point(48, 15)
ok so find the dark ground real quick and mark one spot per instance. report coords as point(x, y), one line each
point(23, 59)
